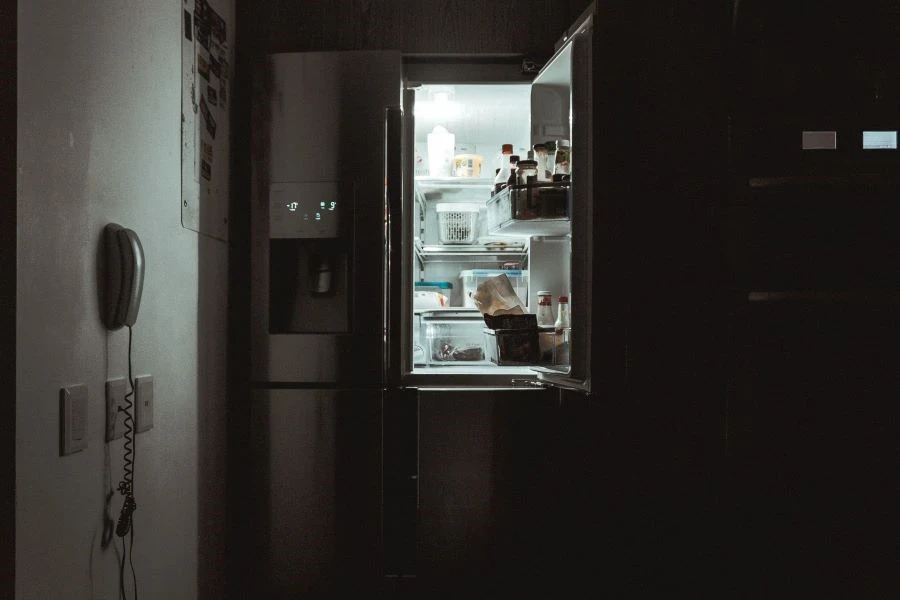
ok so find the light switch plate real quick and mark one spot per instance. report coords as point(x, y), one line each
point(143, 393)
point(115, 408)
point(72, 419)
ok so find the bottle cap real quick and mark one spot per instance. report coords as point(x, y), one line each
point(514, 158)
point(544, 293)
point(564, 299)
point(524, 164)
point(507, 149)
point(562, 143)
point(539, 147)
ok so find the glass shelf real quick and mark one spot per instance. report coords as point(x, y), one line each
point(426, 182)
point(470, 253)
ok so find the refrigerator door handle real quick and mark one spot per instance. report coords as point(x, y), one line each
point(393, 326)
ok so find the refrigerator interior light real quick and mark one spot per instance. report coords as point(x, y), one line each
point(440, 104)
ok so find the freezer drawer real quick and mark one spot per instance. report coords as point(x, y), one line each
point(316, 480)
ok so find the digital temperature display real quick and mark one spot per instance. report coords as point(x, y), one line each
point(303, 210)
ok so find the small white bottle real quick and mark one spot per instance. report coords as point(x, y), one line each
point(545, 316)
point(563, 328)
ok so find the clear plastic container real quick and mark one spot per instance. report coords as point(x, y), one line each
point(472, 278)
point(454, 337)
point(440, 152)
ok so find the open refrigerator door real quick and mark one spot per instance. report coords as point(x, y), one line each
point(478, 226)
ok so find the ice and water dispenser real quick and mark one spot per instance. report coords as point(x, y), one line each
point(309, 257)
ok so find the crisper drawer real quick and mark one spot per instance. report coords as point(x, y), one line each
point(454, 337)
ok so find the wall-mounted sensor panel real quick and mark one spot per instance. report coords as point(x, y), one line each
point(879, 140)
point(305, 210)
point(819, 140)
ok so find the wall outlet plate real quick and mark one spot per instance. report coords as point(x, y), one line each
point(143, 394)
point(72, 419)
point(115, 408)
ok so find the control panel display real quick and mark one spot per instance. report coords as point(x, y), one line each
point(304, 210)
point(879, 140)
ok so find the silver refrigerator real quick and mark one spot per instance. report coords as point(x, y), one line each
point(350, 442)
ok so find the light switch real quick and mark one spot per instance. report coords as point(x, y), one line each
point(143, 394)
point(115, 409)
point(72, 419)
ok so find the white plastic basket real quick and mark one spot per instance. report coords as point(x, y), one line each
point(457, 222)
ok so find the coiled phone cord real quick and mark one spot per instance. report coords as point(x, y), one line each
point(126, 486)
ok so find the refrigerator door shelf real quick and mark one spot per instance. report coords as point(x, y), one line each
point(528, 210)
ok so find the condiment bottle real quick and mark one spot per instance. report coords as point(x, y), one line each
point(540, 155)
point(513, 167)
point(545, 309)
point(500, 180)
point(563, 329)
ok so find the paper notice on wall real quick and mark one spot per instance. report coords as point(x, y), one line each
point(206, 60)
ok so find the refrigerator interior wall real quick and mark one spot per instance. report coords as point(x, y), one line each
point(480, 118)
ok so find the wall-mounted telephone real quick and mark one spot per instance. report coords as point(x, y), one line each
point(124, 276)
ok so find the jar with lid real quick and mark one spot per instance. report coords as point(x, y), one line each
point(562, 159)
point(551, 157)
point(526, 171)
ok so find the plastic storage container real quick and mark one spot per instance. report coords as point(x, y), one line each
point(453, 336)
point(457, 222)
point(470, 280)
point(519, 347)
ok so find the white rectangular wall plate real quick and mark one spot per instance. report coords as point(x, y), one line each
point(72, 419)
point(115, 407)
point(143, 402)
point(819, 140)
point(879, 140)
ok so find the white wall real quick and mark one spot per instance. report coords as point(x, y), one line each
point(98, 142)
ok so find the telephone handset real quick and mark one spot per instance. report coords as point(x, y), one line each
point(124, 276)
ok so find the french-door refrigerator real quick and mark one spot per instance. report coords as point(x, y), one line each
point(345, 235)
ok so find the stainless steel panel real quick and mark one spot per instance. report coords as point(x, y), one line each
point(319, 118)
point(563, 93)
point(584, 259)
point(489, 496)
point(315, 463)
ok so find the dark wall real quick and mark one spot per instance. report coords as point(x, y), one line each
point(444, 26)
point(8, 301)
